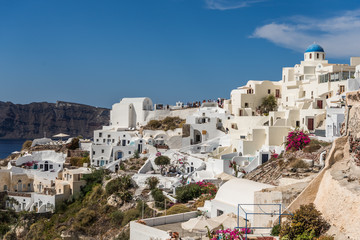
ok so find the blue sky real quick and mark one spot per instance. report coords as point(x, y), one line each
point(96, 52)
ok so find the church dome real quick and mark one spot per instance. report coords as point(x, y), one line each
point(314, 48)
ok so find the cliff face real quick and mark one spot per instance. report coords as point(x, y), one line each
point(30, 121)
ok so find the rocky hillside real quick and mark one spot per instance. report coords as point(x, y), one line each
point(28, 121)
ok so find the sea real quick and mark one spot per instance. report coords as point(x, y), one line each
point(7, 146)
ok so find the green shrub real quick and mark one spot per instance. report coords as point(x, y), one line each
point(152, 182)
point(154, 124)
point(26, 145)
point(130, 215)
point(85, 217)
point(268, 104)
point(79, 161)
point(178, 208)
point(299, 163)
point(159, 197)
point(92, 179)
point(120, 186)
point(74, 144)
point(124, 235)
point(188, 192)
point(117, 217)
point(275, 231)
point(306, 236)
point(306, 220)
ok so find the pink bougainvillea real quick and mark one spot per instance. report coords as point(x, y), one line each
point(274, 155)
point(207, 188)
point(158, 154)
point(297, 140)
point(227, 234)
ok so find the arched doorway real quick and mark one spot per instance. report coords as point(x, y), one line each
point(46, 166)
point(19, 188)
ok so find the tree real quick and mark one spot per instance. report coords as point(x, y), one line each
point(162, 160)
point(268, 104)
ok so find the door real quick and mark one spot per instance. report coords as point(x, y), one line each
point(320, 104)
point(277, 93)
point(310, 124)
point(139, 148)
point(124, 142)
point(46, 166)
point(264, 158)
point(119, 155)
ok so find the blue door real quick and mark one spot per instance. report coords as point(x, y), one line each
point(119, 155)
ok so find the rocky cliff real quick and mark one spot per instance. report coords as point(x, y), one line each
point(32, 120)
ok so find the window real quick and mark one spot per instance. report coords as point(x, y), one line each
point(100, 134)
point(59, 190)
point(297, 123)
point(219, 212)
point(246, 105)
point(129, 152)
point(103, 140)
point(324, 78)
point(41, 165)
point(310, 55)
point(102, 150)
point(109, 136)
point(317, 56)
point(287, 99)
point(97, 140)
point(5, 187)
point(342, 89)
point(323, 56)
point(284, 78)
point(269, 91)
point(51, 166)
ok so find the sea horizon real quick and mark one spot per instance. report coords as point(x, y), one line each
point(7, 146)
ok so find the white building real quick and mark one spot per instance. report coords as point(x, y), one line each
point(303, 96)
point(231, 194)
point(130, 112)
point(120, 141)
point(205, 124)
